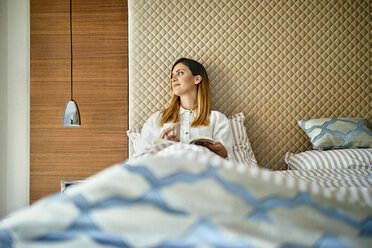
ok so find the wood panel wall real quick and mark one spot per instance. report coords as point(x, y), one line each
point(100, 69)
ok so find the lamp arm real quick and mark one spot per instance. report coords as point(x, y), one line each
point(71, 54)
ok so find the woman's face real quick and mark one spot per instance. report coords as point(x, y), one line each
point(183, 82)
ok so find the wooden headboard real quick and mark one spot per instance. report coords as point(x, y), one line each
point(275, 61)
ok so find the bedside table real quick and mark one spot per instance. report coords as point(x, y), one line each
point(68, 183)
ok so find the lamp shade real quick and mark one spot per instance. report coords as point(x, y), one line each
point(71, 116)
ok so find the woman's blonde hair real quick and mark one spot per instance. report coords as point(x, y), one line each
point(203, 102)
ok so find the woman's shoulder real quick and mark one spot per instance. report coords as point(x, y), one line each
point(217, 115)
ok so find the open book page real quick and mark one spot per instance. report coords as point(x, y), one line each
point(199, 139)
point(195, 140)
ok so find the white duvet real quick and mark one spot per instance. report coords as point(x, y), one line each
point(185, 196)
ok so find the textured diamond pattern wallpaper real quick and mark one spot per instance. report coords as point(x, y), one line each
point(275, 61)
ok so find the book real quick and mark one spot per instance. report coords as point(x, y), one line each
point(200, 139)
point(196, 140)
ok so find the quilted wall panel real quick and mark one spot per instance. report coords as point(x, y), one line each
point(275, 61)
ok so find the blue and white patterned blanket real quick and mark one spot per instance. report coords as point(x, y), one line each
point(189, 198)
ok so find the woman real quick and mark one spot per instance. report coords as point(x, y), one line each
point(190, 105)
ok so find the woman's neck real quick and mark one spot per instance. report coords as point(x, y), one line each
point(188, 102)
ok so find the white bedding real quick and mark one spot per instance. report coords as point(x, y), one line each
point(185, 196)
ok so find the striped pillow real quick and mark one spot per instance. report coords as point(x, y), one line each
point(242, 150)
point(328, 159)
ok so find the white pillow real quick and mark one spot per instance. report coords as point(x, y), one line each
point(242, 150)
point(133, 135)
point(342, 158)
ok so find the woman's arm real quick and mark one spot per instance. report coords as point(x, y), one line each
point(222, 135)
point(148, 135)
point(217, 147)
point(170, 134)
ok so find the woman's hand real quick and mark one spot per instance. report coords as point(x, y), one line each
point(215, 147)
point(170, 134)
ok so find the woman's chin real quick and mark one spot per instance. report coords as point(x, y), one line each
point(177, 93)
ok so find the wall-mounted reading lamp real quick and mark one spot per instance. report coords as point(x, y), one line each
point(71, 116)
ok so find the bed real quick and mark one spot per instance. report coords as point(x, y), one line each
point(185, 196)
point(291, 76)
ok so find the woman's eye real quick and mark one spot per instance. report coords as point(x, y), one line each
point(180, 73)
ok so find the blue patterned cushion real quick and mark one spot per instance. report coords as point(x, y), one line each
point(335, 133)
